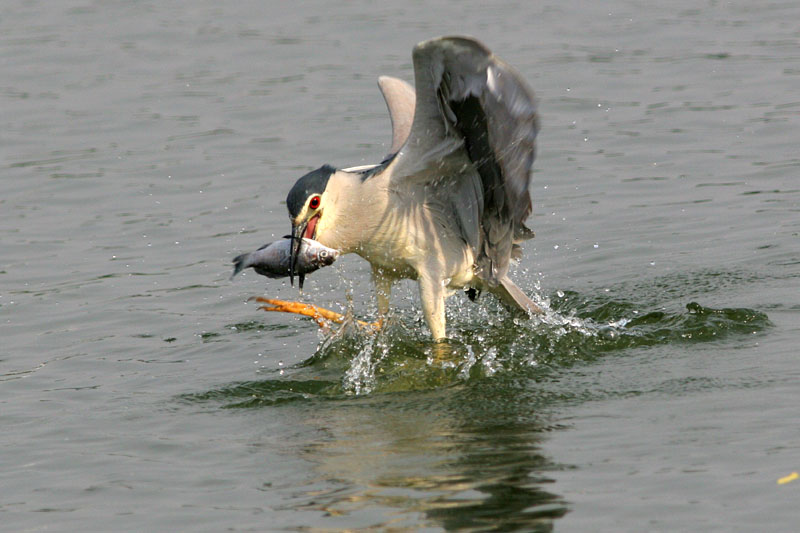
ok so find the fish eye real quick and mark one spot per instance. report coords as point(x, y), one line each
point(323, 254)
point(315, 201)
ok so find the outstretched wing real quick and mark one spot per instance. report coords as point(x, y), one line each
point(471, 103)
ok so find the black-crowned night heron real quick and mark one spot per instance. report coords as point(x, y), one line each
point(447, 206)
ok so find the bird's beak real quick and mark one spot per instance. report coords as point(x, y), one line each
point(297, 240)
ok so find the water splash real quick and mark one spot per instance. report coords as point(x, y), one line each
point(487, 341)
point(360, 377)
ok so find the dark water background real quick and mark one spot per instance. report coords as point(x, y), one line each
point(144, 144)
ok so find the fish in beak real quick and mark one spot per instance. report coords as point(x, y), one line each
point(304, 204)
point(300, 231)
point(272, 260)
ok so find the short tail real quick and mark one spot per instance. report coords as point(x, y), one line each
point(513, 297)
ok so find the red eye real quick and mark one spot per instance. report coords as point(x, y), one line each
point(314, 203)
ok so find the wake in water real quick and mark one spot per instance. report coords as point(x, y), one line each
point(485, 341)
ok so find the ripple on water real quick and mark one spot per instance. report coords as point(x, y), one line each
point(485, 341)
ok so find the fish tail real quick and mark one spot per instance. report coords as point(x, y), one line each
point(240, 262)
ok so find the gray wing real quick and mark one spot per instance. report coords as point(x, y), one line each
point(400, 99)
point(471, 104)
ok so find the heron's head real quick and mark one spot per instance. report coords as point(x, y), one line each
point(306, 203)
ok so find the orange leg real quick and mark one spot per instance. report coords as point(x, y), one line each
point(319, 314)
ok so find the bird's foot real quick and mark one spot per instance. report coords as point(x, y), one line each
point(323, 317)
point(442, 353)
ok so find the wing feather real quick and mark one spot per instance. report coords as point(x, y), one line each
point(471, 105)
point(400, 99)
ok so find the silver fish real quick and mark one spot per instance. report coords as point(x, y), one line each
point(272, 260)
